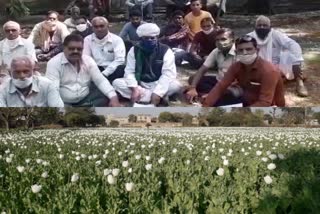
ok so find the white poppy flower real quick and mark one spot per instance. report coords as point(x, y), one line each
point(36, 188)
point(174, 151)
point(207, 158)
point(273, 156)
point(8, 160)
point(226, 162)
point(271, 166)
point(20, 169)
point(75, 177)
point(281, 156)
point(130, 170)
point(138, 157)
point(258, 153)
point(111, 180)
point(45, 175)
point(264, 159)
point(148, 158)
point(188, 162)
point(107, 172)
point(27, 161)
point(61, 156)
point(267, 179)
point(220, 172)
point(161, 160)
point(39, 161)
point(125, 164)
point(148, 167)
point(115, 172)
point(129, 186)
point(78, 158)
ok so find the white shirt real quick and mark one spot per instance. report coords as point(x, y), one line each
point(43, 93)
point(110, 52)
point(169, 73)
point(74, 85)
point(280, 43)
point(22, 47)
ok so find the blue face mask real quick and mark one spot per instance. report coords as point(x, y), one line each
point(149, 44)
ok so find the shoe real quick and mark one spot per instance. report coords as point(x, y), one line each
point(302, 91)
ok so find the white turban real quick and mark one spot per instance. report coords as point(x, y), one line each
point(148, 29)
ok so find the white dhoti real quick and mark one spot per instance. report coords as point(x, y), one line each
point(147, 89)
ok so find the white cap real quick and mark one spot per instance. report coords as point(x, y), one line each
point(148, 29)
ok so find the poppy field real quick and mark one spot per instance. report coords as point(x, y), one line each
point(182, 170)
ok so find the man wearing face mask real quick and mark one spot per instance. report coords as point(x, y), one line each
point(78, 77)
point(27, 90)
point(71, 22)
point(260, 80)
point(13, 46)
point(220, 59)
point(129, 30)
point(204, 42)
point(48, 36)
point(280, 50)
point(150, 74)
point(106, 48)
point(83, 27)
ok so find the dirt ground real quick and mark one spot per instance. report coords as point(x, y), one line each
point(304, 28)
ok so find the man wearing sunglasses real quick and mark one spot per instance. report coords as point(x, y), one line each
point(260, 80)
point(106, 48)
point(150, 74)
point(78, 77)
point(282, 51)
point(48, 36)
point(13, 46)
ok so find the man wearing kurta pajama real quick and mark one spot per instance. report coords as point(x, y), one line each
point(150, 74)
point(277, 48)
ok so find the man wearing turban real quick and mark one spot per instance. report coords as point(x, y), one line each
point(150, 73)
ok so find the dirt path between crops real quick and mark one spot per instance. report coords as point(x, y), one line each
point(303, 27)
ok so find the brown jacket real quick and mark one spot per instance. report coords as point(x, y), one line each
point(262, 85)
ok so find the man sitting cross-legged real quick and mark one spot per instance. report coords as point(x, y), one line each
point(73, 73)
point(25, 89)
point(106, 48)
point(219, 59)
point(150, 74)
point(260, 81)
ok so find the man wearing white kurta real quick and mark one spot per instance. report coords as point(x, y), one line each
point(106, 48)
point(277, 48)
point(150, 74)
point(13, 46)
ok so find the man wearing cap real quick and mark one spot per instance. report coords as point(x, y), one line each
point(277, 48)
point(13, 46)
point(150, 74)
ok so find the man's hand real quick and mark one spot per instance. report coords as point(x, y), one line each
point(114, 102)
point(203, 98)
point(136, 95)
point(191, 94)
point(155, 99)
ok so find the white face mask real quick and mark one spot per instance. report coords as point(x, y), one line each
point(81, 27)
point(207, 32)
point(22, 83)
point(247, 59)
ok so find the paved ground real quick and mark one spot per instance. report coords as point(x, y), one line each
point(304, 27)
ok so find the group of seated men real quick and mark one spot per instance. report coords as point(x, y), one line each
point(90, 66)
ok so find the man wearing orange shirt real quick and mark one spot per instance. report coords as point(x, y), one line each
point(260, 80)
point(193, 19)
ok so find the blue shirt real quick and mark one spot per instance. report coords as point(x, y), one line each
point(130, 31)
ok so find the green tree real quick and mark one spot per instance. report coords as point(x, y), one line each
point(293, 115)
point(9, 114)
point(215, 116)
point(268, 117)
point(132, 118)
point(78, 117)
point(187, 120)
point(114, 124)
point(165, 117)
point(317, 116)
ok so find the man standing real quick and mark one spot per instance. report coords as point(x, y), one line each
point(129, 30)
point(27, 90)
point(220, 59)
point(277, 48)
point(260, 81)
point(150, 74)
point(106, 48)
point(13, 46)
point(48, 36)
point(73, 73)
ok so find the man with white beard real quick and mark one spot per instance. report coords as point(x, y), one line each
point(277, 48)
point(13, 46)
